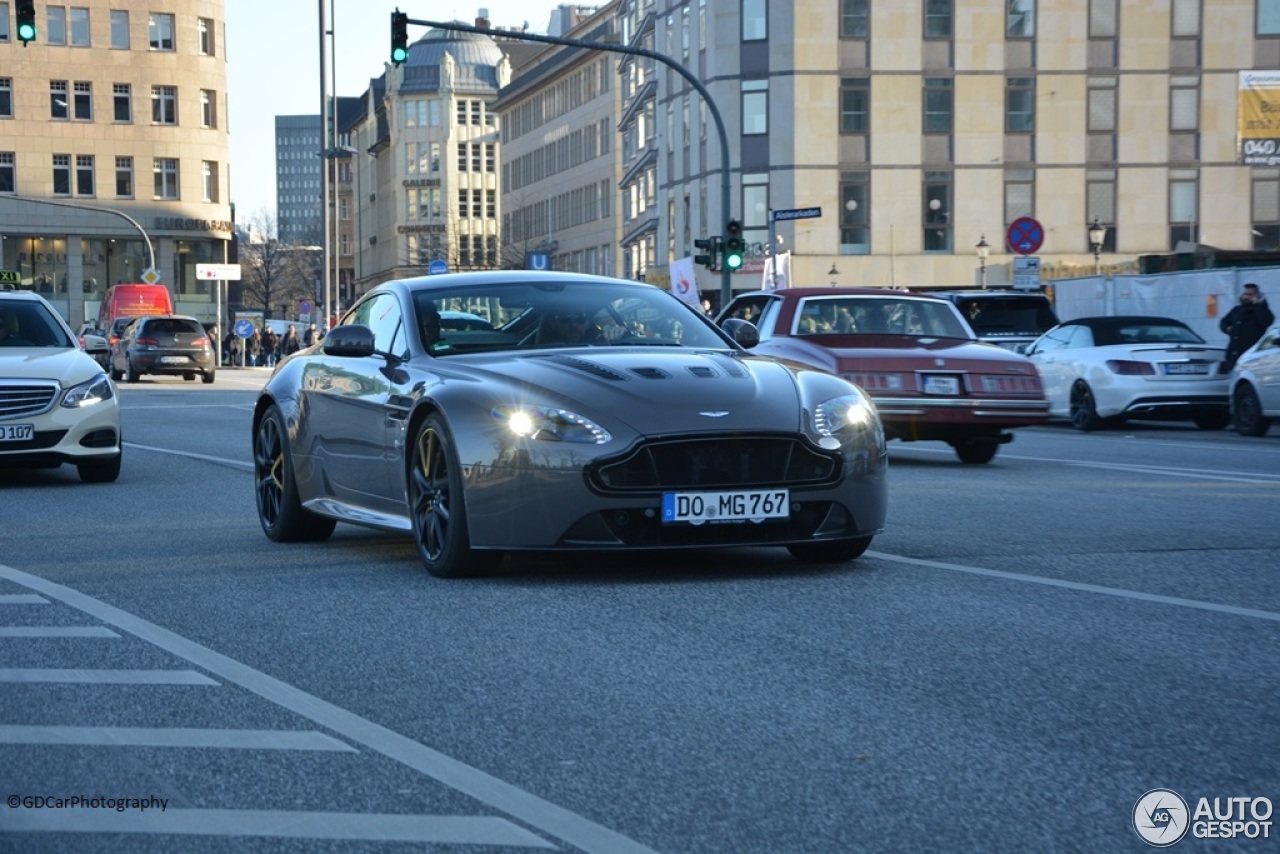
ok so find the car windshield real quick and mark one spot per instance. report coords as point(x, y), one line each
point(30, 324)
point(876, 315)
point(1145, 332)
point(991, 315)
point(502, 316)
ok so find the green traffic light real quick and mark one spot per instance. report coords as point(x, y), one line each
point(399, 55)
point(27, 32)
point(733, 260)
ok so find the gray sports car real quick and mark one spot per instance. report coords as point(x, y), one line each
point(579, 413)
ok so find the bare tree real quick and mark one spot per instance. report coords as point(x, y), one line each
point(274, 274)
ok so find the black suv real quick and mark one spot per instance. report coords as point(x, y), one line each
point(1009, 319)
point(171, 344)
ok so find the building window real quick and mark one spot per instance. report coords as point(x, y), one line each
point(855, 19)
point(937, 105)
point(204, 36)
point(208, 108)
point(1020, 104)
point(124, 177)
point(209, 180)
point(937, 19)
point(477, 117)
point(1102, 105)
point(464, 204)
point(160, 31)
point(122, 102)
point(56, 24)
point(1103, 19)
point(491, 204)
point(62, 174)
point(490, 157)
point(1268, 17)
point(344, 211)
point(83, 101)
point(1266, 209)
point(59, 108)
point(164, 105)
point(84, 174)
point(755, 107)
point(4, 21)
point(1100, 204)
point(79, 26)
point(462, 157)
point(1019, 194)
point(435, 157)
point(855, 104)
point(1184, 103)
point(166, 175)
point(119, 29)
point(855, 213)
point(1183, 206)
point(8, 174)
point(1021, 20)
point(755, 20)
point(461, 109)
point(937, 212)
point(477, 156)
point(6, 97)
point(1186, 19)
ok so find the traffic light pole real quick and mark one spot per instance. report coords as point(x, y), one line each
point(726, 291)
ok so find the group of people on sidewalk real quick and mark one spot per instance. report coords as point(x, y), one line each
point(265, 347)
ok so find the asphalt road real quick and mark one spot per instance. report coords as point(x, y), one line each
point(1029, 648)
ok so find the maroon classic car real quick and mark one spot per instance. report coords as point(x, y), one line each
point(914, 354)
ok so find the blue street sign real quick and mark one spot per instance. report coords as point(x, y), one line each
point(797, 213)
point(438, 267)
point(538, 261)
point(244, 328)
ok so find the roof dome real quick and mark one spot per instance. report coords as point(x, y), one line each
point(475, 60)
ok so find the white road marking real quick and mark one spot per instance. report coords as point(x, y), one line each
point(22, 599)
point(1081, 587)
point(439, 829)
point(207, 458)
point(503, 796)
point(1170, 471)
point(56, 632)
point(105, 677)
point(122, 736)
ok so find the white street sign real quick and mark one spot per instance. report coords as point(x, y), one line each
point(218, 271)
point(1026, 273)
point(150, 275)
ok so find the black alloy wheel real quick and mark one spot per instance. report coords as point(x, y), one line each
point(1249, 420)
point(1084, 412)
point(281, 514)
point(437, 507)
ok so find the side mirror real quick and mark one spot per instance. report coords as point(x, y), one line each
point(353, 341)
point(95, 344)
point(744, 332)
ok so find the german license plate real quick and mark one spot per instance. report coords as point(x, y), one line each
point(1184, 368)
point(941, 385)
point(753, 505)
point(173, 360)
point(17, 432)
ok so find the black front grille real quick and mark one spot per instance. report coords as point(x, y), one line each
point(22, 399)
point(715, 462)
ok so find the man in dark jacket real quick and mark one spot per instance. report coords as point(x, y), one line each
point(1245, 323)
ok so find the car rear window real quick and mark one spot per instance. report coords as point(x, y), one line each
point(173, 326)
point(1029, 315)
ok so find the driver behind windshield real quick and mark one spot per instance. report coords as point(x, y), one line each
point(565, 323)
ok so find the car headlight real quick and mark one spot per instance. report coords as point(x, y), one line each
point(843, 412)
point(550, 425)
point(88, 393)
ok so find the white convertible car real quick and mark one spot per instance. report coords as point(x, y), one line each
point(1099, 371)
point(1255, 386)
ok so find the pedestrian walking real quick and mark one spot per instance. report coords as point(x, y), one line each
point(252, 346)
point(290, 344)
point(309, 337)
point(1245, 323)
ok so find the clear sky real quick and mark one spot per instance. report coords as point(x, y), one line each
point(273, 67)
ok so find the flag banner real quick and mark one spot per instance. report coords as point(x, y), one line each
point(782, 279)
point(684, 283)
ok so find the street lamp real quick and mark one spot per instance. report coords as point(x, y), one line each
point(833, 272)
point(1097, 234)
point(983, 249)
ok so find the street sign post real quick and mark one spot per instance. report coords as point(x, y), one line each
point(1025, 235)
point(796, 213)
point(538, 261)
point(218, 271)
point(1026, 273)
point(438, 267)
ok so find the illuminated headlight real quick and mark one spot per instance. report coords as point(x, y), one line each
point(839, 413)
point(88, 393)
point(550, 425)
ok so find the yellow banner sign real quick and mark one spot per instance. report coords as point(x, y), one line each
point(1258, 118)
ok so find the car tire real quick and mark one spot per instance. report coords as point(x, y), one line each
point(131, 374)
point(1249, 420)
point(834, 551)
point(976, 451)
point(100, 471)
point(437, 507)
point(189, 377)
point(281, 514)
point(116, 375)
point(1215, 420)
point(208, 377)
point(1084, 410)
